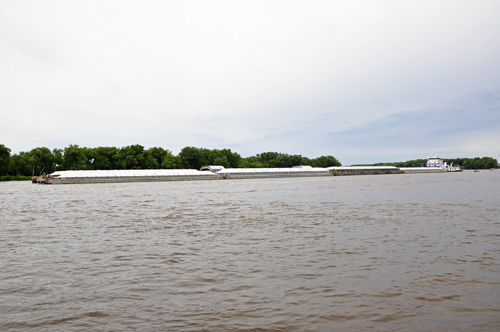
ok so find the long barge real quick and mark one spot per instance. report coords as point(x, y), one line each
point(212, 173)
point(124, 175)
point(221, 173)
point(255, 173)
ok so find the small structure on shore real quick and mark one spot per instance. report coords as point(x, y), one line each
point(212, 168)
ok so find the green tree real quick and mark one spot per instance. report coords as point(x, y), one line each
point(488, 162)
point(232, 158)
point(171, 162)
point(103, 157)
point(130, 157)
point(150, 162)
point(21, 164)
point(267, 158)
point(158, 154)
point(480, 163)
point(192, 157)
point(43, 160)
point(326, 161)
point(251, 162)
point(90, 155)
point(276, 159)
point(224, 157)
point(58, 159)
point(221, 161)
point(4, 159)
point(243, 163)
point(74, 158)
point(305, 161)
point(295, 160)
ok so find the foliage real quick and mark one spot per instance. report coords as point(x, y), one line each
point(325, 161)
point(276, 159)
point(4, 159)
point(58, 157)
point(73, 157)
point(409, 163)
point(156, 156)
point(43, 160)
point(15, 178)
point(40, 160)
point(171, 162)
point(130, 157)
point(224, 157)
point(104, 158)
point(465, 163)
point(192, 157)
point(480, 163)
point(21, 164)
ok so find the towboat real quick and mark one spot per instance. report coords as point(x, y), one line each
point(436, 162)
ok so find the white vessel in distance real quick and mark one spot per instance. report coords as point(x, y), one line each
point(435, 162)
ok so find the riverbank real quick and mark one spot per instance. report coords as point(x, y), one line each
point(15, 178)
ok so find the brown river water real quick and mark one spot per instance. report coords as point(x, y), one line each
point(413, 252)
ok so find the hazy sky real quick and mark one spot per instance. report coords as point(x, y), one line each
point(365, 81)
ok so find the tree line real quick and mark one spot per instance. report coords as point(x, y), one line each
point(465, 163)
point(42, 160)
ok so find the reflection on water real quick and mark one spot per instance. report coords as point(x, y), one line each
point(367, 253)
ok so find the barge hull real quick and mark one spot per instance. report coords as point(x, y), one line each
point(270, 175)
point(79, 177)
point(415, 170)
point(364, 170)
point(129, 179)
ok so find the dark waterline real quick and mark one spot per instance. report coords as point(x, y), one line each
point(413, 252)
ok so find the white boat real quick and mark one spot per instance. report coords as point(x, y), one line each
point(435, 162)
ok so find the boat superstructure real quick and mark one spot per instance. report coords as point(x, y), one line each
point(435, 162)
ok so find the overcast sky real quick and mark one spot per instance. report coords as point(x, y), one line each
point(365, 81)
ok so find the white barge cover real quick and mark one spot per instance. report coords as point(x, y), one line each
point(363, 167)
point(253, 173)
point(125, 175)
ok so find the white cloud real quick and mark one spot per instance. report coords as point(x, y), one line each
point(253, 76)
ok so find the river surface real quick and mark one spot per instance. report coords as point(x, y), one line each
point(413, 252)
